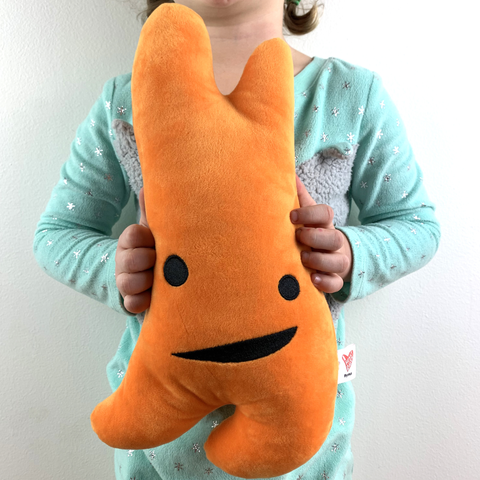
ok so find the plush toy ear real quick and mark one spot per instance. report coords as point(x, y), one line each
point(234, 317)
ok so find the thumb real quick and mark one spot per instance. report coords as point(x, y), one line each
point(304, 197)
point(143, 215)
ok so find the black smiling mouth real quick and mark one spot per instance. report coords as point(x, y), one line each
point(243, 351)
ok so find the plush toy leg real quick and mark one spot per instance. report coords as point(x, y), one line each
point(143, 413)
point(256, 443)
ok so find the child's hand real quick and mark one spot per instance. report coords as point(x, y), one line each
point(331, 251)
point(134, 263)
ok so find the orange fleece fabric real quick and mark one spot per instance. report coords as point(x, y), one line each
point(234, 317)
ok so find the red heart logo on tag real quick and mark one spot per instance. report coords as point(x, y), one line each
point(348, 360)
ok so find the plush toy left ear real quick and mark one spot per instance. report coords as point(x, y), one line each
point(234, 317)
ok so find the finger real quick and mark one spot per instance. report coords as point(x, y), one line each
point(133, 260)
point(134, 283)
point(138, 303)
point(314, 215)
point(304, 198)
point(325, 262)
point(136, 236)
point(143, 214)
point(320, 238)
point(328, 283)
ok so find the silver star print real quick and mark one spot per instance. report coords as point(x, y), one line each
point(98, 151)
point(379, 134)
point(77, 253)
point(130, 453)
point(346, 85)
point(179, 466)
point(120, 374)
point(49, 243)
point(334, 447)
point(315, 108)
point(405, 194)
point(361, 110)
point(108, 104)
point(395, 150)
point(70, 206)
point(121, 110)
point(208, 471)
point(307, 133)
point(371, 161)
point(364, 185)
point(79, 142)
point(357, 243)
point(214, 424)
point(324, 137)
point(342, 421)
point(108, 177)
point(388, 177)
point(82, 168)
point(92, 122)
point(335, 111)
point(104, 258)
point(413, 231)
point(386, 239)
point(361, 273)
point(324, 475)
point(339, 393)
point(350, 137)
point(392, 267)
point(196, 447)
point(152, 455)
point(382, 104)
point(304, 94)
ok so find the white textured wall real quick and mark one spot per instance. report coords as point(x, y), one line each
point(417, 384)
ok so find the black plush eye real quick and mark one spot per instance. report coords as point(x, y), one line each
point(175, 271)
point(289, 287)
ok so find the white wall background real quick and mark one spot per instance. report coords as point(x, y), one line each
point(418, 379)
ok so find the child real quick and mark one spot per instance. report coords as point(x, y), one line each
point(350, 143)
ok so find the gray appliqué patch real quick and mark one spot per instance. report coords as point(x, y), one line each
point(125, 147)
point(326, 176)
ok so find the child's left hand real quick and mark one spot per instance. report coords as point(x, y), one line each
point(331, 253)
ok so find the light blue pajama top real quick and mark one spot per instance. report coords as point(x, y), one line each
point(350, 143)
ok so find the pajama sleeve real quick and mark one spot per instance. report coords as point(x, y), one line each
point(399, 232)
point(72, 241)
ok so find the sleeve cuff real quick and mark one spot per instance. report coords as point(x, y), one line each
point(353, 290)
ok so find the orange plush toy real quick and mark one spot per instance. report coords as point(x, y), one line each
point(234, 317)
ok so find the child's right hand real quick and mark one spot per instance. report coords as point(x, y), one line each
point(134, 262)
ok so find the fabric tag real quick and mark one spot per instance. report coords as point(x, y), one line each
point(347, 364)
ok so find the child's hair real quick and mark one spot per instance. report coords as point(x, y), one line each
point(296, 24)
